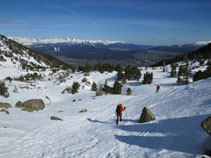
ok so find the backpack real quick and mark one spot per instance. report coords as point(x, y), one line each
point(118, 109)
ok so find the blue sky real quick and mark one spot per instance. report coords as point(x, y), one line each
point(152, 22)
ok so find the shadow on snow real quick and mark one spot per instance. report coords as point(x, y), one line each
point(97, 121)
point(111, 122)
point(176, 134)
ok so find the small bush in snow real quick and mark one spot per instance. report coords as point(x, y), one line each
point(94, 86)
point(8, 79)
point(84, 80)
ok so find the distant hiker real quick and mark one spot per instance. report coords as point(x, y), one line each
point(119, 110)
point(157, 89)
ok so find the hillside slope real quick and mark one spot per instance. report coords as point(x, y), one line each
point(18, 53)
point(176, 132)
point(201, 53)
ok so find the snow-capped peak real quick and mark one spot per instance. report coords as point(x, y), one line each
point(32, 41)
point(201, 43)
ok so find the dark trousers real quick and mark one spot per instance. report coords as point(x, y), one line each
point(117, 119)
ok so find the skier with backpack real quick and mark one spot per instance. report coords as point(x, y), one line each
point(157, 89)
point(119, 110)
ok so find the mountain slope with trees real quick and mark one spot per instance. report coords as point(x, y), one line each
point(199, 54)
point(20, 53)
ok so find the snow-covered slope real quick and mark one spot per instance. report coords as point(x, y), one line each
point(176, 132)
point(202, 43)
point(13, 53)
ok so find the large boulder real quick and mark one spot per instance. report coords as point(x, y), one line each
point(56, 118)
point(5, 105)
point(206, 125)
point(83, 110)
point(67, 89)
point(100, 93)
point(4, 110)
point(146, 116)
point(33, 105)
point(19, 104)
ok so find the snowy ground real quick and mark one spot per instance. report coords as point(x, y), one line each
point(176, 132)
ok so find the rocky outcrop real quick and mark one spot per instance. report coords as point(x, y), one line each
point(207, 147)
point(2, 59)
point(56, 118)
point(87, 74)
point(5, 105)
point(146, 116)
point(4, 110)
point(83, 110)
point(33, 105)
point(100, 93)
point(207, 154)
point(19, 104)
point(206, 125)
point(67, 89)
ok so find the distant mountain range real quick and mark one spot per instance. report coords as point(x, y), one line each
point(75, 51)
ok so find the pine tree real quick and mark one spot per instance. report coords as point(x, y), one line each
point(118, 68)
point(88, 68)
point(181, 70)
point(202, 75)
point(173, 70)
point(148, 77)
point(129, 91)
point(75, 87)
point(124, 80)
point(183, 74)
point(198, 76)
point(164, 67)
point(94, 87)
point(3, 88)
point(107, 88)
point(127, 72)
point(136, 73)
point(179, 80)
point(187, 73)
point(119, 75)
point(106, 83)
point(117, 89)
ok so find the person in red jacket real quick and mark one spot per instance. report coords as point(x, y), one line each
point(157, 89)
point(119, 110)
